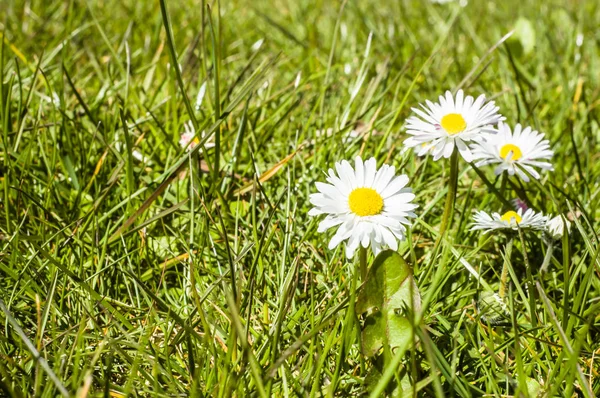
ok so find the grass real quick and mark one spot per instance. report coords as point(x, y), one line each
point(129, 267)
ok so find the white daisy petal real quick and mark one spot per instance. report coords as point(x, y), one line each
point(328, 222)
point(389, 238)
point(359, 171)
point(394, 186)
point(464, 151)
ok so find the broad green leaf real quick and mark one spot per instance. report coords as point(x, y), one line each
point(385, 297)
point(533, 387)
point(403, 389)
point(522, 42)
point(163, 246)
point(239, 207)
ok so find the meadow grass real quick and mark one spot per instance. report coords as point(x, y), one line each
point(131, 267)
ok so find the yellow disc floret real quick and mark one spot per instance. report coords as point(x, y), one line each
point(453, 123)
point(510, 215)
point(365, 202)
point(511, 148)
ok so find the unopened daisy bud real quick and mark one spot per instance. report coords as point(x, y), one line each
point(519, 204)
point(368, 206)
point(512, 220)
point(452, 122)
point(523, 147)
point(555, 227)
point(298, 78)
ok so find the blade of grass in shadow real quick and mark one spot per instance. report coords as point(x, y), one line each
point(172, 172)
point(584, 383)
point(413, 83)
point(164, 307)
point(128, 160)
point(86, 109)
point(242, 337)
point(102, 301)
point(217, 94)
point(330, 60)
point(175, 63)
point(34, 352)
point(482, 60)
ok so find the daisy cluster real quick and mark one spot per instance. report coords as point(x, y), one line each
point(371, 206)
point(478, 131)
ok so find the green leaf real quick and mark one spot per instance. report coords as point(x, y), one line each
point(522, 42)
point(533, 387)
point(385, 297)
point(397, 390)
point(68, 164)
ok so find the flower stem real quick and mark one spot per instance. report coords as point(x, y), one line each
point(504, 274)
point(363, 263)
point(451, 197)
point(503, 183)
point(531, 286)
point(548, 256)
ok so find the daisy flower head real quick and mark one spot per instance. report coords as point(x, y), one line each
point(188, 138)
point(508, 149)
point(368, 206)
point(452, 122)
point(555, 227)
point(512, 220)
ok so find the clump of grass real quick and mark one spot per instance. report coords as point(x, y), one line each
point(130, 266)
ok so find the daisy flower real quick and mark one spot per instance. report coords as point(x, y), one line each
point(451, 123)
point(555, 227)
point(524, 147)
point(509, 220)
point(189, 140)
point(368, 206)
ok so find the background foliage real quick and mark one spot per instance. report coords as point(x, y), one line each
point(134, 268)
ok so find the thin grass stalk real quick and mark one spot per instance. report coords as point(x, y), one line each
point(348, 325)
point(217, 99)
point(36, 355)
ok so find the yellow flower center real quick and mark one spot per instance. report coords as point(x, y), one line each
point(510, 148)
point(453, 123)
point(509, 215)
point(365, 202)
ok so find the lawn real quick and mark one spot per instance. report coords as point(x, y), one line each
point(133, 265)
